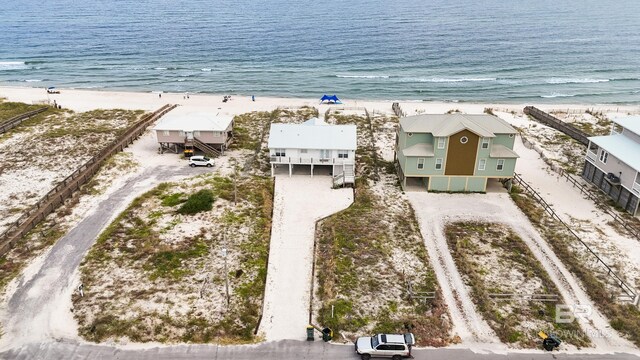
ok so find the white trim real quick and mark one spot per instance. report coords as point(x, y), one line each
point(439, 161)
point(482, 164)
point(604, 156)
point(420, 164)
point(464, 140)
point(500, 165)
point(441, 143)
point(303, 151)
point(485, 141)
point(166, 132)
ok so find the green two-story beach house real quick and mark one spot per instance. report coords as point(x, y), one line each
point(454, 152)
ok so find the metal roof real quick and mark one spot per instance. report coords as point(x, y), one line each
point(620, 146)
point(631, 123)
point(420, 149)
point(501, 151)
point(190, 120)
point(313, 134)
point(448, 124)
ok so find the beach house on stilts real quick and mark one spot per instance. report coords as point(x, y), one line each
point(315, 145)
point(187, 129)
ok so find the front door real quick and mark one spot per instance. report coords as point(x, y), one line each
point(189, 135)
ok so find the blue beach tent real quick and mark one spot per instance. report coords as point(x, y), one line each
point(330, 99)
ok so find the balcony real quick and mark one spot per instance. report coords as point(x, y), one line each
point(309, 161)
point(591, 156)
point(612, 179)
point(636, 188)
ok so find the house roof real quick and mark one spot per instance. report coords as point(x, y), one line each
point(420, 149)
point(620, 146)
point(189, 120)
point(501, 151)
point(448, 124)
point(631, 123)
point(313, 134)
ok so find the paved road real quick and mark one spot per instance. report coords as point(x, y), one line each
point(282, 350)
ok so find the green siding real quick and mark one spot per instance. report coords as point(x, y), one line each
point(439, 183)
point(504, 139)
point(458, 183)
point(429, 167)
point(476, 184)
point(492, 163)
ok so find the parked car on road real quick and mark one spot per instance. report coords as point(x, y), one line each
point(200, 161)
point(394, 346)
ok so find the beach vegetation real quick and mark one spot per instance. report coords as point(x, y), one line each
point(484, 251)
point(181, 269)
point(623, 317)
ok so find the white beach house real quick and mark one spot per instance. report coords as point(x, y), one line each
point(315, 143)
point(184, 128)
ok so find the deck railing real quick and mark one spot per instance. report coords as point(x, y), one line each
point(591, 156)
point(307, 161)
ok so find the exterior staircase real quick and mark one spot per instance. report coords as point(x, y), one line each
point(207, 149)
point(347, 176)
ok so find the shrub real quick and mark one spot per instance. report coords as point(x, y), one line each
point(198, 202)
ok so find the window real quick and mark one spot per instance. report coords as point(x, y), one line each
point(482, 164)
point(420, 163)
point(440, 143)
point(464, 140)
point(438, 164)
point(512, 135)
point(409, 134)
point(280, 152)
point(604, 156)
point(343, 154)
point(500, 166)
point(181, 133)
point(196, 133)
point(165, 133)
point(485, 143)
point(303, 151)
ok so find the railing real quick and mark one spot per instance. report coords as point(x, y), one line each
point(398, 110)
point(301, 160)
point(636, 188)
point(628, 290)
point(16, 120)
point(525, 297)
point(557, 124)
point(69, 185)
point(591, 156)
point(585, 190)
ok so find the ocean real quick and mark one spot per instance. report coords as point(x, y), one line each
point(500, 51)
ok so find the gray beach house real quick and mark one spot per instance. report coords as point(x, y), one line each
point(184, 129)
point(612, 163)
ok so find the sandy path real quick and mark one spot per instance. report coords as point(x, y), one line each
point(573, 208)
point(299, 202)
point(435, 210)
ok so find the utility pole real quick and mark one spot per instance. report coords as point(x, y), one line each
point(226, 269)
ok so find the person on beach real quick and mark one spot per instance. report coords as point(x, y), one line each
point(160, 95)
point(253, 98)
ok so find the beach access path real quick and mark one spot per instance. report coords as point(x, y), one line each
point(434, 211)
point(299, 202)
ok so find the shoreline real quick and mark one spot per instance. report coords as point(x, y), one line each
point(91, 99)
